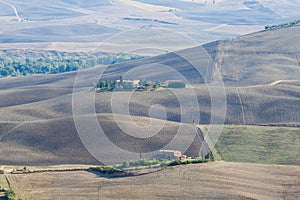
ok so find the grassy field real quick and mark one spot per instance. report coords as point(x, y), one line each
point(199, 181)
point(256, 144)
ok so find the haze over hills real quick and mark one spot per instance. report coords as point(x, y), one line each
point(77, 26)
point(258, 58)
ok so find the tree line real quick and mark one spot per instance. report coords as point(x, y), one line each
point(18, 65)
point(284, 25)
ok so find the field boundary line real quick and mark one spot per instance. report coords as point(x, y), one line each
point(7, 180)
point(205, 145)
point(14, 128)
point(242, 106)
point(14, 8)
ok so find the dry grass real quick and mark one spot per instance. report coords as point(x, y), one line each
point(217, 180)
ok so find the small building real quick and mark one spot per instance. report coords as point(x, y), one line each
point(183, 157)
point(128, 84)
point(175, 84)
point(168, 155)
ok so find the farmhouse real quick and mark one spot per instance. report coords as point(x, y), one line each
point(175, 84)
point(128, 84)
point(169, 155)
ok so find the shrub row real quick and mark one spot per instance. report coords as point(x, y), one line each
point(190, 161)
point(284, 25)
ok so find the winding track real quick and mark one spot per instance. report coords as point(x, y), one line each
point(111, 2)
point(17, 126)
point(15, 10)
point(242, 106)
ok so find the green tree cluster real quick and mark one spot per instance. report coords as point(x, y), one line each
point(190, 161)
point(105, 169)
point(143, 85)
point(15, 66)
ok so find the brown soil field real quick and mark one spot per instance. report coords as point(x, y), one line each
point(36, 111)
point(217, 180)
point(264, 104)
point(31, 126)
point(56, 141)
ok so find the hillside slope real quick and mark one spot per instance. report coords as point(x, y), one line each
point(265, 104)
point(260, 71)
point(50, 142)
point(258, 58)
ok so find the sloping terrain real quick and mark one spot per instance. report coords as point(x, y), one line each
point(259, 58)
point(36, 111)
point(56, 141)
point(39, 126)
point(263, 57)
point(267, 104)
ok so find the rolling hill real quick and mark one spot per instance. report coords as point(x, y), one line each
point(260, 72)
point(258, 58)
